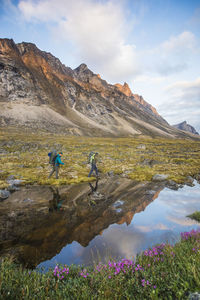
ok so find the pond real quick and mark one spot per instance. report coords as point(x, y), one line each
point(88, 223)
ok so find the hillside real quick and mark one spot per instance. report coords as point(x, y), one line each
point(38, 92)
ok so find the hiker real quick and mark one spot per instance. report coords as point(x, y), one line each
point(93, 161)
point(56, 162)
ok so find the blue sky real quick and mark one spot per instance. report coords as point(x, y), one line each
point(153, 45)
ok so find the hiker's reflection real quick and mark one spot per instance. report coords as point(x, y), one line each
point(56, 203)
point(90, 194)
point(93, 188)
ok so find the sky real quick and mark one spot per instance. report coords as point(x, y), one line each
point(153, 45)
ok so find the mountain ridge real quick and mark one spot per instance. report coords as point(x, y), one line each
point(39, 92)
point(186, 127)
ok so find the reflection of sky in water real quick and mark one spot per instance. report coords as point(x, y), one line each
point(161, 221)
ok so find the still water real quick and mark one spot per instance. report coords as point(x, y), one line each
point(161, 221)
point(87, 223)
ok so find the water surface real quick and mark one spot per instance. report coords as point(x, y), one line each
point(87, 223)
point(161, 221)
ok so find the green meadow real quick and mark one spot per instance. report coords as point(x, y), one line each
point(25, 155)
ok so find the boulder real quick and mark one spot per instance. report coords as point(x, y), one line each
point(14, 182)
point(4, 194)
point(160, 177)
point(189, 181)
point(172, 185)
point(143, 147)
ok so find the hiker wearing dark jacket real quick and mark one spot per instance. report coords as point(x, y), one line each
point(56, 165)
point(93, 161)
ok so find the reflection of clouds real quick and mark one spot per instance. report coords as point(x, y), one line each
point(125, 242)
point(182, 202)
point(161, 221)
point(182, 221)
point(159, 226)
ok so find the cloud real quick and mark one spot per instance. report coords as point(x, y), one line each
point(184, 42)
point(185, 95)
point(96, 29)
point(174, 55)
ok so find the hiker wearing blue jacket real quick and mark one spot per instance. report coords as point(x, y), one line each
point(56, 165)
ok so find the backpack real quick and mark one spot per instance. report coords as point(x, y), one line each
point(90, 157)
point(52, 157)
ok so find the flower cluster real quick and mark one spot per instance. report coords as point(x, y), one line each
point(84, 273)
point(155, 251)
point(133, 268)
point(146, 283)
point(60, 273)
point(193, 233)
point(114, 268)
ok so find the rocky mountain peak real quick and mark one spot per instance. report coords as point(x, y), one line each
point(125, 89)
point(81, 68)
point(186, 127)
point(38, 91)
point(8, 47)
point(83, 73)
point(26, 47)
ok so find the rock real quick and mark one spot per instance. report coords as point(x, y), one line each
point(15, 182)
point(13, 188)
point(149, 162)
point(4, 194)
point(118, 203)
point(11, 177)
point(189, 181)
point(28, 200)
point(143, 147)
point(151, 193)
point(110, 173)
point(160, 177)
point(194, 296)
point(172, 185)
point(197, 177)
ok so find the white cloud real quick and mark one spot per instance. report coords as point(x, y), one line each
point(184, 86)
point(96, 29)
point(174, 55)
point(183, 102)
point(149, 79)
point(179, 44)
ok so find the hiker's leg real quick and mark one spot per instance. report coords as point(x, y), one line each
point(96, 170)
point(92, 168)
point(53, 170)
point(57, 171)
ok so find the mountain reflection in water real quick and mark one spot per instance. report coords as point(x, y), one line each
point(78, 223)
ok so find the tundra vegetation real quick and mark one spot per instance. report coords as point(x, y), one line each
point(195, 216)
point(162, 272)
point(24, 155)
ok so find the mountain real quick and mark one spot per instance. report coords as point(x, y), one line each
point(186, 127)
point(38, 92)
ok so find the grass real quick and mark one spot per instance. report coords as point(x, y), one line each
point(195, 216)
point(26, 157)
point(162, 272)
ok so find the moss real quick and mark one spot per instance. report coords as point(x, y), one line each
point(27, 157)
point(195, 216)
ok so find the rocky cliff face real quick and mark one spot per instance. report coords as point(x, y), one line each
point(186, 127)
point(38, 91)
